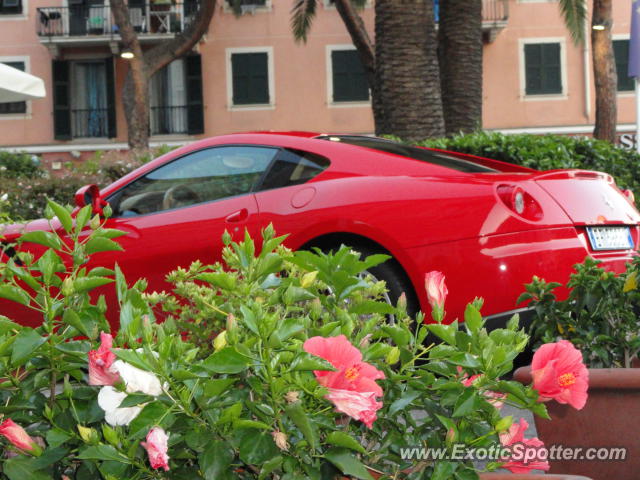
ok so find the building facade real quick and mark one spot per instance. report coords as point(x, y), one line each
point(248, 73)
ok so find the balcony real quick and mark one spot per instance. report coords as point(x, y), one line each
point(93, 25)
point(495, 15)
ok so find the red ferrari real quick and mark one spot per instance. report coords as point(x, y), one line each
point(489, 226)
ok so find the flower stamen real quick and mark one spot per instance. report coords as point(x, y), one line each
point(566, 380)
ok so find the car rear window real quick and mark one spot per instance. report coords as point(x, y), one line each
point(415, 153)
point(293, 167)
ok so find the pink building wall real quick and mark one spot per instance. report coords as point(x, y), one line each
point(301, 81)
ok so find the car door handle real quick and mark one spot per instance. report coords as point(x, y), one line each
point(239, 216)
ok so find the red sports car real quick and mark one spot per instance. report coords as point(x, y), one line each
point(489, 226)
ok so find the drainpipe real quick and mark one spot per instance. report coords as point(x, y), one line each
point(586, 71)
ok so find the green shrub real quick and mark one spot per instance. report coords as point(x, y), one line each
point(19, 165)
point(548, 152)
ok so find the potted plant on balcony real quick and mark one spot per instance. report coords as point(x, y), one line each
point(600, 316)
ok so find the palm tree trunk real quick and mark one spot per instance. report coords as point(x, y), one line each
point(604, 72)
point(407, 70)
point(460, 56)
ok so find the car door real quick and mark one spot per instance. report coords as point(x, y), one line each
point(178, 212)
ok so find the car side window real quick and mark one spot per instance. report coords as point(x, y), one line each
point(293, 167)
point(198, 177)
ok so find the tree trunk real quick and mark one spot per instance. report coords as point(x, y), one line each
point(460, 56)
point(407, 70)
point(135, 94)
point(604, 72)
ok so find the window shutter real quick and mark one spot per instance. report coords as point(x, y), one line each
point(111, 97)
point(250, 78)
point(543, 73)
point(621, 54)
point(61, 101)
point(349, 77)
point(195, 111)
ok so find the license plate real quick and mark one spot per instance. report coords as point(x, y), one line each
point(610, 238)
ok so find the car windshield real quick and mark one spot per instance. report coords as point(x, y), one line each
point(415, 153)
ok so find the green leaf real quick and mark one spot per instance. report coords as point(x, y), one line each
point(305, 361)
point(347, 463)
point(63, 215)
point(70, 317)
point(227, 360)
point(372, 306)
point(269, 467)
point(444, 332)
point(242, 423)
point(134, 399)
point(299, 417)
point(23, 468)
point(215, 460)
point(26, 343)
point(152, 414)
point(256, 447)
point(133, 357)
point(222, 280)
point(83, 217)
point(102, 452)
point(216, 386)
point(466, 403)
point(444, 470)
point(101, 244)
point(84, 284)
point(404, 401)
point(41, 237)
point(472, 318)
point(341, 439)
point(14, 294)
point(56, 437)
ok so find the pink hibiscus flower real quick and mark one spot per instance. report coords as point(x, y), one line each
point(528, 453)
point(494, 398)
point(18, 437)
point(559, 373)
point(157, 447)
point(436, 289)
point(352, 387)
point(101, 361)
point(351, 372)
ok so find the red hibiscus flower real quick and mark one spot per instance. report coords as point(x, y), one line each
point(19, 437)
point(559, 373)
point(525, 457)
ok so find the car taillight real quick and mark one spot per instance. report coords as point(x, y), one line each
point(630, 196)
point(520, 202)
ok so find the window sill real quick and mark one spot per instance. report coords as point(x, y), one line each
point(15, 116)
point(545, 97)
point(355, 104)
point(13, 17)
point(257, 9)
point(256, 106)
point(627, 94)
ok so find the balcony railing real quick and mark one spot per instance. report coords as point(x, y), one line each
point(89, 122)
point(495, 11)
point(168, 120)
point(97, 20)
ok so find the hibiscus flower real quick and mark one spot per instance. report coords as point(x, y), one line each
point(101, 363)
point(157, 447)
point(559, 373)
point(522, 462)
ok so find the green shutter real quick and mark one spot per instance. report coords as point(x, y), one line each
point(61, 101)
point(543, 69)
point(349, 77)
point(195, 111)
point(621, 53)
point(250, 73)
point(111, 98)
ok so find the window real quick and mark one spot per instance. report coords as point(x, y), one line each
point(14, 107)
point(83, 99)
point(621, 53)
point(250, 77)
point(348, 77)
point(202, 176)
point(10, 7)
point(293, 168)
point(543, 68)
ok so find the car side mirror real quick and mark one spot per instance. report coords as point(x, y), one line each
point(90, 195)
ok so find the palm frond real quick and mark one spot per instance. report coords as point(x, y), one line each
point(574, 13)
point(302, 15)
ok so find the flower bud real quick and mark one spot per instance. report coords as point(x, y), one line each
point(308, 279)
point(220, 341)
point(67, 287)
point(451, 436)
point(281, 440)
point(292, 397)
point(88, 435)
point(95, 222)
point(366, 340)
point(393, 356)
point(232, 323)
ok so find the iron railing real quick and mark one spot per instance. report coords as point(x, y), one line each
point(168, 120)
point(495, 11)
point(89, 122)
point(97, 20)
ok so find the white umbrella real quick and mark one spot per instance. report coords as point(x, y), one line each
point(16, 85)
